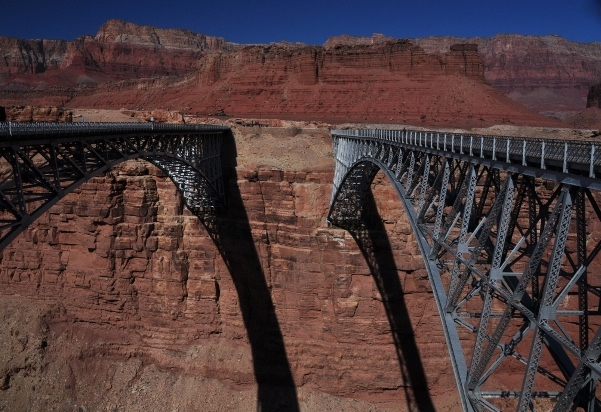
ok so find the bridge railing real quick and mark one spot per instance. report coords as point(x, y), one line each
point(570, 156)
point(13, 130)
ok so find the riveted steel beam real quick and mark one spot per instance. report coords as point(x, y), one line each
point(489, 246)
point(42, 162)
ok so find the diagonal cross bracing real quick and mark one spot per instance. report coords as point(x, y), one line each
point(40, 163)
point(510, 231)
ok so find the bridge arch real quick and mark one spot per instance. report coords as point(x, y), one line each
point(346, 211)
point(42, 163)
point(492, 217)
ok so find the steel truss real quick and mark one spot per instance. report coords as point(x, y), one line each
point(40, 163)
point(510, 231)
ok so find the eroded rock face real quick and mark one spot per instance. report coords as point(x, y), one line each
point(148, 290)
point(120, 50)
point(549, 74)
point(374, 79)
point(389, 82)
point(35, 114)
point(594, 96)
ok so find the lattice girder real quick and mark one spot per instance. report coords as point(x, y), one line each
point(504, 226)
point(41, 163)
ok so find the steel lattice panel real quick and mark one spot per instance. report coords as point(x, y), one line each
point(41, 163)
point(508, 250)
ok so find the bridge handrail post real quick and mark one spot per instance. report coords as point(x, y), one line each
point(565, 157)
point(508, 160)
point(471, 145)
point(461, 145)
point(542, 155)
point(494, 148)
point(437, 141)
point(453, 143)
point(591, 172)
point(481, 146)
point(524, 152)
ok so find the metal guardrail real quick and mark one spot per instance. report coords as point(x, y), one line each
point(565, 156)
point(9, 130)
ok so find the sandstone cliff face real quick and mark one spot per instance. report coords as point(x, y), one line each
point(549, 74)
point(30, 56)
point(120, 50)
point(389, 82)
point(35, 114)
point(367, 79)
point(593, 98)
point(148, 290)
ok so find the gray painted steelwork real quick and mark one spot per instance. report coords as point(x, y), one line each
point(40, 163)
point(508, 228)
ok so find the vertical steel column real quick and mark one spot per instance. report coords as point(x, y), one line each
point(546, 310)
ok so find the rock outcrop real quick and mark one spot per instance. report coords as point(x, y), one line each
point(548, 74)
point(389, 82)
point(35, 114)
point(423, 81)
point(120, 50)
point(593, 98)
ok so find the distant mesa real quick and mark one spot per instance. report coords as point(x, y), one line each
point(443, 80)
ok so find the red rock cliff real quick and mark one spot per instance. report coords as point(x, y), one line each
point(594, 96)
point(120, 50)
point(391, 81)
point(549, 74)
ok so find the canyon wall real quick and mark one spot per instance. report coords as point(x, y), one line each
point(593, 98)
point(432, 81)
point(120, 50)
point(125, 291)
point(390, 82)
point(35, 114)
point(549, 74)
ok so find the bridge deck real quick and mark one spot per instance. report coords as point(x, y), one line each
point(572, 162)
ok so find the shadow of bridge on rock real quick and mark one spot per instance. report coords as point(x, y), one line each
point(231, 231)
point(370, 234)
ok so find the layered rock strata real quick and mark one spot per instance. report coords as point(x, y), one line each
point(549, 74)
point(35, 114)
point(370, 80)
point(390, 82)
point(120, 50)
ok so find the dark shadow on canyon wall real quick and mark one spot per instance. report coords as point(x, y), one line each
point(231, 232)
point(373, 241)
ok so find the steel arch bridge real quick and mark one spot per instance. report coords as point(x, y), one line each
point(40, 163)
point(510, 232)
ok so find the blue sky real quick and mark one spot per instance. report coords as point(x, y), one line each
point(309, 21)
